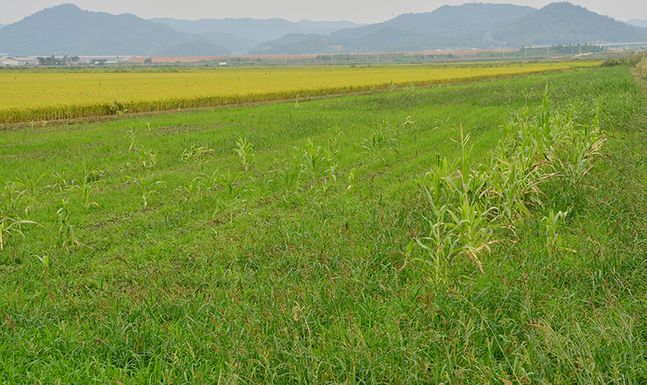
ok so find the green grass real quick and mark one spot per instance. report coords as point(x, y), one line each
point(269, 244)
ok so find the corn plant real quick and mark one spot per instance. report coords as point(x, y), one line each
point(552, 223)
point(408, 122)
point(25, 189)
point(62, 183)
point(133, 140)
point(66, 231)
point(313, 157)
point(147, 158)
point(579, 151)
point(245, 152)
point(198, 154)
point(291, 176)
point(10, 227)
point(229, 181)
point(194, 189)
point(86, 195)
point(468, 207)
point(375, 140)
point(145, 187)
point(85, 186)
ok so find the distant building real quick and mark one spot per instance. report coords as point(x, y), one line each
point(103, 60)
point(11, 61)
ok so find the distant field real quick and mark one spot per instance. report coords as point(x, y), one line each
point(53, 95)
point(324, 242)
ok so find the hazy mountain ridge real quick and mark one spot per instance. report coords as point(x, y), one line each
point(194, 48)
point(568, 24)
point(638, 23)
point(477, 25)
point(256, 29)
point(234, 44)
point(445, 21)
point(68, 30)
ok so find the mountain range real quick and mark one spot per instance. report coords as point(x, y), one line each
point(638, 22)
point(69, 30)
point(473, 25)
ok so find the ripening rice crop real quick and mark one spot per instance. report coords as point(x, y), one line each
point(54, 95)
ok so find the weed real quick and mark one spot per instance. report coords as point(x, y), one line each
point(477, 204)
point(245, 152)
point(10, 227)
point(553, 222)
point(198, 154)
point(66, 231)
point(145, 186)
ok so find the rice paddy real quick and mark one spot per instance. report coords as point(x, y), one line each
point(488, 232)
point(53, 95)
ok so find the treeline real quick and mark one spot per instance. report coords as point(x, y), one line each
point(58, 61)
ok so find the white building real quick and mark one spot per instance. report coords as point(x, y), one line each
point(12, 61)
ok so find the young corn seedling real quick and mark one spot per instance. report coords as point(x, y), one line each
point(194, 189)
point(408, 122)
point(147, 159)
point(198, 154)
point(85, 189)
point(145, 187)
point(229, 181)
point(66, 231)
point(553, 222)
point(576, 159)
point(245, 152)
point(85, 186)
point(476, 204)
point(14, 198)
point(133, 140)
point(25, 190)
point(376, 140)
point(441, 244)
point(312, 156)
point(291, 176)
point(10, 227)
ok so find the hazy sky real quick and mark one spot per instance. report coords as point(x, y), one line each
point(364, 11)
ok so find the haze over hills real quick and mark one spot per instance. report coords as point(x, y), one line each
point(256, 29)
point(567, 24)
point(473, 26)
point(68, 30)
point(445, 22)
point(638, 23)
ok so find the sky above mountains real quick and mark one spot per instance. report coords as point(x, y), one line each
point(362, 11)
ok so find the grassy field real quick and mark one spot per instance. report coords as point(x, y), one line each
point(294, 242)
point(52, 95)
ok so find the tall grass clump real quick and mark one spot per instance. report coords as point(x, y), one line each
point(14, 206)
point(473, 208)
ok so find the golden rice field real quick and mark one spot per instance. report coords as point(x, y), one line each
point(53, 95)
